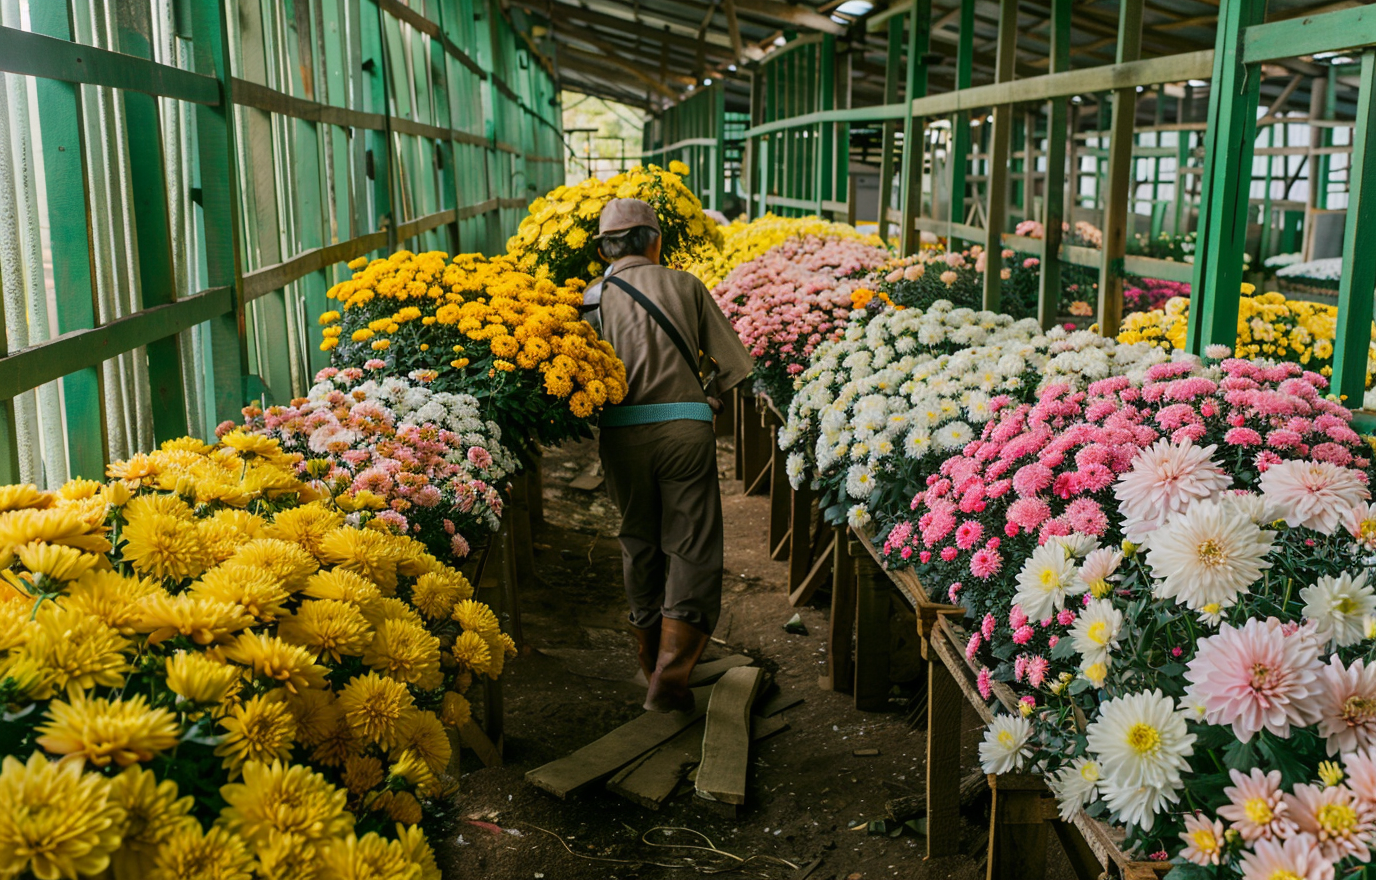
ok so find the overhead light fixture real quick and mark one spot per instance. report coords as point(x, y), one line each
point(779, 40)
point(731, 67)
point(1197, 83)
point(707, 82)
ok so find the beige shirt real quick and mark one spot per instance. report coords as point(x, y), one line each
point(656, 372)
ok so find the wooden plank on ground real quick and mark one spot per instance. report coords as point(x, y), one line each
point(784, 699)
point(706, 673)
point(651, 780)
point(726, 741)
point(603, 757)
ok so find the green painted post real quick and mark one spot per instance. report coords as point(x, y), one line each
point(375, 101)
point(893, 57)
point(148, 189)
point(825, 152)
point(914, 129)
point(960, 122)
point(1263, 249)
point(1228, 159)
point(1049, 292)
point(1000, 142)
point(1359, 260)
point(1182, 159)
point(1118, 201)
point(64, 175)
point(718, 149)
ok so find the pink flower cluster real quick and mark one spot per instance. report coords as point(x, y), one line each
point(419, 479)
point(1046, 469)
point(1152, 294)
point(785, 303)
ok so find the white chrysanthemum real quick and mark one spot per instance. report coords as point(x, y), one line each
point(1095, 632)
point(1005, 746)
point(1339, 606)
point(858, 516)
point(1141, 743)
point(917, 443)
point(859, 481)
point(1045, 578)
point(953, 435)
point(1076, 544)
point(794, 467)
point(1164, 480)
point(1075, 785)
point(1210, 554)
point(1313, 494)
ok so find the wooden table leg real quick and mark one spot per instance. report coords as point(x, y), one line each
point(738, 430)
point(840, 664)
point(1018, 830)
point(944, 704)
point(780, 503)
point(800, 545)
point(872, 617)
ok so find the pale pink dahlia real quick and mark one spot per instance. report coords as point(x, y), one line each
point(1313, 494)
point(1164, 479)
point(1361, 774)
point(1255, 678)
point(1256, 807)
point(1203, 840)
point(1347, 706)
point(1360, 523)
point(1340, 821)
point(1298, 858)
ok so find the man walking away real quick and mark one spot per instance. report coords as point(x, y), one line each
point(658, 448)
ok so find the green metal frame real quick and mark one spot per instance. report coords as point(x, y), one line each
point(355, 127)
point(694, 132)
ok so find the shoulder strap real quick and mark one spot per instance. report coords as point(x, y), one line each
point(659, 318)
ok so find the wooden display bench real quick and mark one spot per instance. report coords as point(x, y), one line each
point(1023, 813)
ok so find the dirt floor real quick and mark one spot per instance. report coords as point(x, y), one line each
point(810, 797)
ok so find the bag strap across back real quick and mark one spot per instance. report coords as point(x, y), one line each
point(659, 318)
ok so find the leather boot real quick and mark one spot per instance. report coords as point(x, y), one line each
point(681, 645)
point(647, 649)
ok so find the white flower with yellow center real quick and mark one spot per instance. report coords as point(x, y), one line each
point(1095, 632)
point(1340, 607)
point(1075, 785)
point(1141, 743)
point(1005, 744)
point(1045, 578)
point(1209, 554)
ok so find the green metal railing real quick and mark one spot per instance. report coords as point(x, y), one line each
point(191, 176)
point(788, 158)
point(693, 132)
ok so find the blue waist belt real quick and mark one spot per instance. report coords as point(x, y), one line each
point(649, 413)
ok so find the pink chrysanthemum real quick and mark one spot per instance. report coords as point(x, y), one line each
point(1313, 494)
point(1347, 706)
point(1164, 479)
point(1255, 678)
point(1299, 857)
point(1340, 821)
point(1203, 839)
point(985, 563)
point(983, 682)
point(1256, 807)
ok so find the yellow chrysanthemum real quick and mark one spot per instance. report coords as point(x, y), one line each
point(316, 713)
point(272, 658)
point(369, 857)
point(152, 814)
point(422, 733)
point(409, 767)
point(16, 623)
point(247, 443)
point(18, 497)
point(166, 503)
point(455, 710)
point(404, 808)
point(227, 531)
point(286, 799)
point(288, 562)
point(418, 850)
point(259, 729)
point(200, 619)
point(287, 857)
point(164, 546)
point(101, 731)
point(362, 773)
point(305, 526)
point(55, 820)
point(199, 679)
point(190, 852)
point(328, 627)
point(436, 593)
point(75, 651)
point(407, 652)
point(338, 743)
point(256, 590)
point(347, 586)
point(56, 562)
point(476, 617)
point(365, 552)
point(56, 525)
point(472, 652)
point(110, 596)
point(374, 707)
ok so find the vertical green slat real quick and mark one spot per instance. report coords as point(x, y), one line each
point(718, 150)
point(148, 189)
point(1049, 294)
point(996, 176)
point(1118, 199)
point(1359, 258)
point(375, 101)
point(1222, 229)
point(825, 155)
point(915, 86)
point(893, 58)
point(64, 176)
point(960, 122)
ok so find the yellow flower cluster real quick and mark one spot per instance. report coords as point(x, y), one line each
point(474, 321)
point(556, 239)
point(1268, 326)
point(742, 242)
point(306, 673)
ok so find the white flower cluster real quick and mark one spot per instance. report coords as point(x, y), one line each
point(911, 384)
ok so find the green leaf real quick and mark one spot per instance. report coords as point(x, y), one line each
point(1189, 871)
point(1240, 756)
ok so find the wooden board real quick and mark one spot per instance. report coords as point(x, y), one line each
point(603, 757)
point(706, 673)
point(782, 701)
point(726, 741)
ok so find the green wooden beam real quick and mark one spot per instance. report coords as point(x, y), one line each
point(1358, 280)
point(1118, 201)
point(54, 57)
point(914, 129)
point(1049, 291)
point(1222, 231)
point(1309, 35)
point(958, 156)
point(893, 59)
point(996, 192)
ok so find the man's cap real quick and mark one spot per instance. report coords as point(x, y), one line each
point(621, 215)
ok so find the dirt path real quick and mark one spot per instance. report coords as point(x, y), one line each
point(572, 685)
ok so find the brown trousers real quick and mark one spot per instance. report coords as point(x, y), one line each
point(663, 479)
